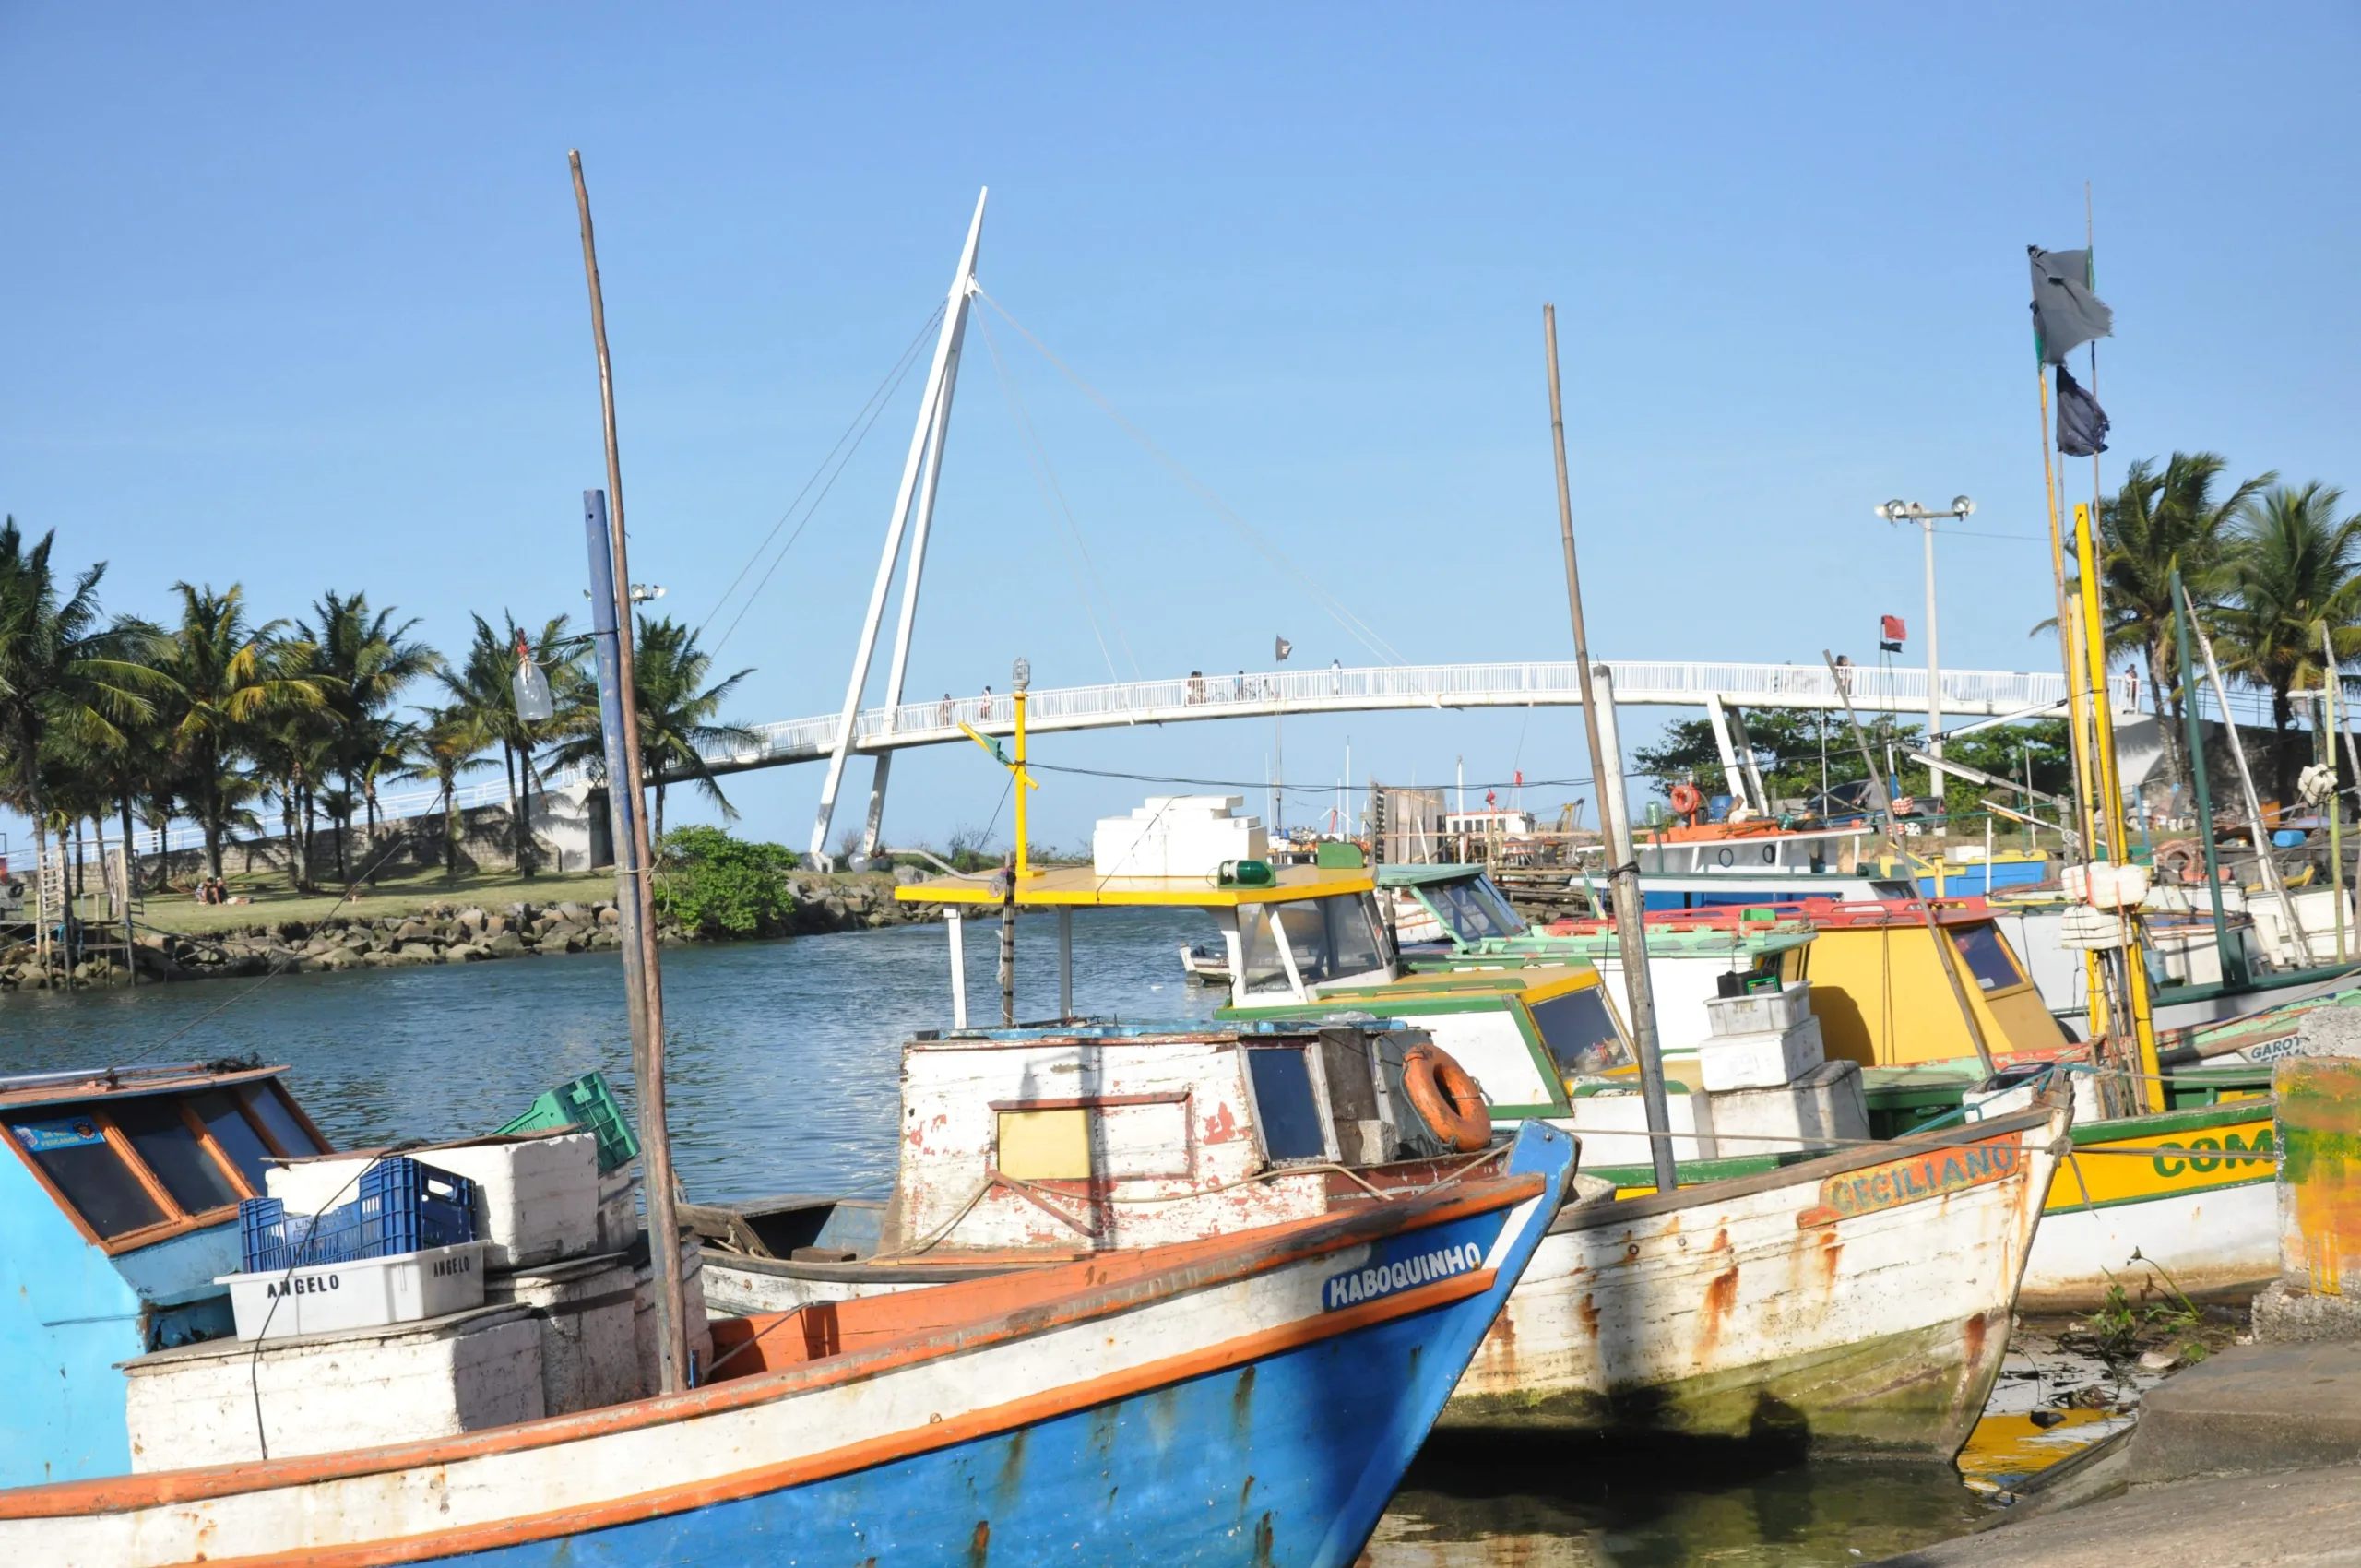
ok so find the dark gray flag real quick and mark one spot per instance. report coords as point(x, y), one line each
point(2066, 315)
point(2081, 424)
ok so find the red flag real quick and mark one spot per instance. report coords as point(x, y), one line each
point(1894, 630)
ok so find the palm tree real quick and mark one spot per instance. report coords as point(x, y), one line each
point(60, 669)
point(2156, 524)
point(230, 677)
point(677, 716)
point(441, 748)
point(2293, 566)
point(372, 658)
point(480, 688)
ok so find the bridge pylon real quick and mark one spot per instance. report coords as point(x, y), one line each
point(921, 473)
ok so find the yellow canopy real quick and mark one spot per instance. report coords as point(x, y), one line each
point(1081, 887)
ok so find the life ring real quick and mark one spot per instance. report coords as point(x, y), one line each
point(1446, 1098)
point(1687, 800)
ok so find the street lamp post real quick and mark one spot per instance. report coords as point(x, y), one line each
point(1911, 512)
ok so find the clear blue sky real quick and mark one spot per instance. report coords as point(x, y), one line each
point(294, 299)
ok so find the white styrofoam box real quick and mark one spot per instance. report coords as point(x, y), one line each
point(585, 1308)
point(195, 1405)
point(1613, 1127)
point(537, 1198)
point(2106, 886)
point(1758, 1010)
point(1178, 836)
point(700, 1332)
point(1820, 1109)
point(618, 1219)
point(325, 1298)
point(1986, 1104)
point(1762, 1059)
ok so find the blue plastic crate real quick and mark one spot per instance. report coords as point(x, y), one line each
point(404, 1206)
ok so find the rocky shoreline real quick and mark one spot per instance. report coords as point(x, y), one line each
point(451, 933)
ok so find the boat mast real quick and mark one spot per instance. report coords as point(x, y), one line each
point(1615, 819)
point(643, 979)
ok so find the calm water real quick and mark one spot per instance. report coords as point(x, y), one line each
point(784, 1076)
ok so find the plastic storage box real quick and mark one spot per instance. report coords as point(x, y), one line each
point(588, 1103)
point(536, 1195)
point(403, 1206)
point(325, 1298)
point(1758, 1010)
point(1764, 1059)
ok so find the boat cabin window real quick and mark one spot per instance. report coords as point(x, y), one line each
point(1045, 1145)
point(1988, 955)
point(169, 1145)
point(1577, 1030)
point(1329, 939)
point(233, 1135)
point(1286, 1108)
point(1474, 910)
point(129, 1162)
point(278, 1120)
point(71, 1149)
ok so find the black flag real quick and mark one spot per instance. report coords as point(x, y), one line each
point(2066, 315)
point(2081, 424)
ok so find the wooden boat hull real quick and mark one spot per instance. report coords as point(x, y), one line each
point(1857, 1302)
point(2204, 1217)
point(1247, 1400)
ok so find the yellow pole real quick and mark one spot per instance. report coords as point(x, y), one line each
point(2075, 734)
point(2077, 670)
point(1024, 870)
point(2135, 962)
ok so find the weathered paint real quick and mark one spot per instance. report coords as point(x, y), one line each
point(2200, 1209)
point(1756, 1307)
point(2319, 1189)
point(1233, 1417)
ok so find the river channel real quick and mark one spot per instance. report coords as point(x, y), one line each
point(784, 1077)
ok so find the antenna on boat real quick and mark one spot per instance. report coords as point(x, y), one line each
point(1614, 813)
point(627, 813)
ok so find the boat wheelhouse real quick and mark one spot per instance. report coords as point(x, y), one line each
point(118, 1197)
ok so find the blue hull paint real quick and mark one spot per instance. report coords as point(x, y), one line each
point(1288, 1461)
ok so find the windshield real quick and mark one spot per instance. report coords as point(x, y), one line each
point(1473, 910)
point(1330, 939)
point(1987, 956)
point(1579, 1031)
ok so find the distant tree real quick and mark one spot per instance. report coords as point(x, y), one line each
point(60, 668)
point(372, 658)
point(2157, 522)
point(679, 716)
point(2294, 566)
point(480, 687)
point(442, 746)
point(228, 677)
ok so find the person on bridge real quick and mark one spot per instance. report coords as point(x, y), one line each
point(942, 714)
point(988, 705)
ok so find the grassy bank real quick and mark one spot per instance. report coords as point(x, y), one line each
point(391, 896)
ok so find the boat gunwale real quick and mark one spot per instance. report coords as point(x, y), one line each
point(1590, 1217)
point(1201, 1265)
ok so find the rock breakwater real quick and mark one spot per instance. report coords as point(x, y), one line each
point(444, 933)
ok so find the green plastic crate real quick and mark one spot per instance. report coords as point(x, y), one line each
point(588, 1103)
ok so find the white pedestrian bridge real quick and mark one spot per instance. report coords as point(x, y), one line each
point(1965, 693)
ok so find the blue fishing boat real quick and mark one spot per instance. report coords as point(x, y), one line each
point(1252, 1398)
point(118, 1197)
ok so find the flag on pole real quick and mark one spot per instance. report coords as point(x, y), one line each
point(2066, 315)
point(2081, 424)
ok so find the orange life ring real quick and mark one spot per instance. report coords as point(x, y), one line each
point(1446, 1098)
point(1687, 800)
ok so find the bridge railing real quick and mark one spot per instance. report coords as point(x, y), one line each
point(1434, 685)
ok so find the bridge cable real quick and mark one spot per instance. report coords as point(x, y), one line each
point(1360, 630)
point(857, 432)
point(1060, 512)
